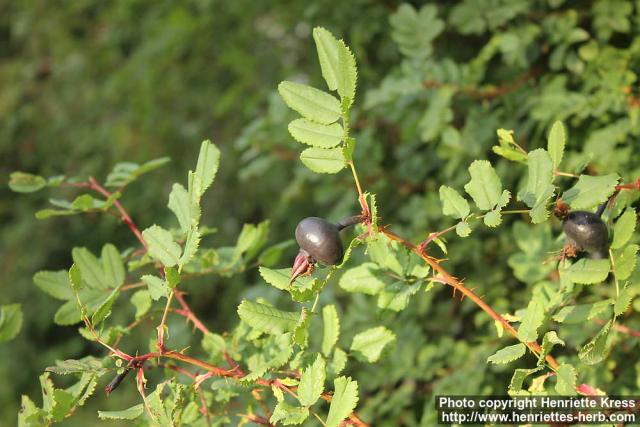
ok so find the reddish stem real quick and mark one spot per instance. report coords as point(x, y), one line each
point(188, 313)
point(458, 285)
point(124, 215)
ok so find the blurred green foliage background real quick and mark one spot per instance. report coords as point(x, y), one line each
point(86, 84)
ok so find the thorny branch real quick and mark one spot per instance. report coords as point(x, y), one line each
point(137, 362)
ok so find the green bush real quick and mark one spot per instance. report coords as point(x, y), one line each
point(451, 99)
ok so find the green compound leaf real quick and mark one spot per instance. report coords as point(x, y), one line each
point(453, 204)
point(590, 191)
point(362, 279)
point(10, 321)
point(532, 320)
point(566, 377)
point(331, 328)
point(624, 228)
point(310, 102)
point(22, 182)
point(322, 160)
point(312, 382)
point(581, 312)
point(266, 318)
point(508, 354)
point(370, 343)
point(316, 134)
point(344, 401)
point(556, 143)
point(484, 187)
point(588, 271)
point(162, 246)
point(539, 188)
point(125, 414)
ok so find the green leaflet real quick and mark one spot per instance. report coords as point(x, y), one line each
point(316, 134)
point(539, 188)
point(112, 265)
point(362, 279)
point(345, 398)
point(623, 229)
point(370, 343)
point(157, 287)
point(549, 340)
point(266, 318)
point(331, 328)
point(566, 377)
point(623, 301)
point(508, 147)
point(519, 375)
point(141, 300)
point(532, 320)
point(103, 311)
point(310, 102)
point(126, 414)
point(337, 63)
point(206, 169)
point(556, 143)
point(508, 354)
point(180, 204)
point(162, 246)
point(582, 312)
point(588, 271)
point(54, 283)
point(311, 383)
point(624, 261)
point(10, 321)
point(590, 191)
point(596, 350)
point(484, 187)
point(453, 204)
point(124, 173)
point(414, 30)
point(322, 160)
point(22, 182)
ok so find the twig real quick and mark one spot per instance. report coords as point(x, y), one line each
point(124, 215)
